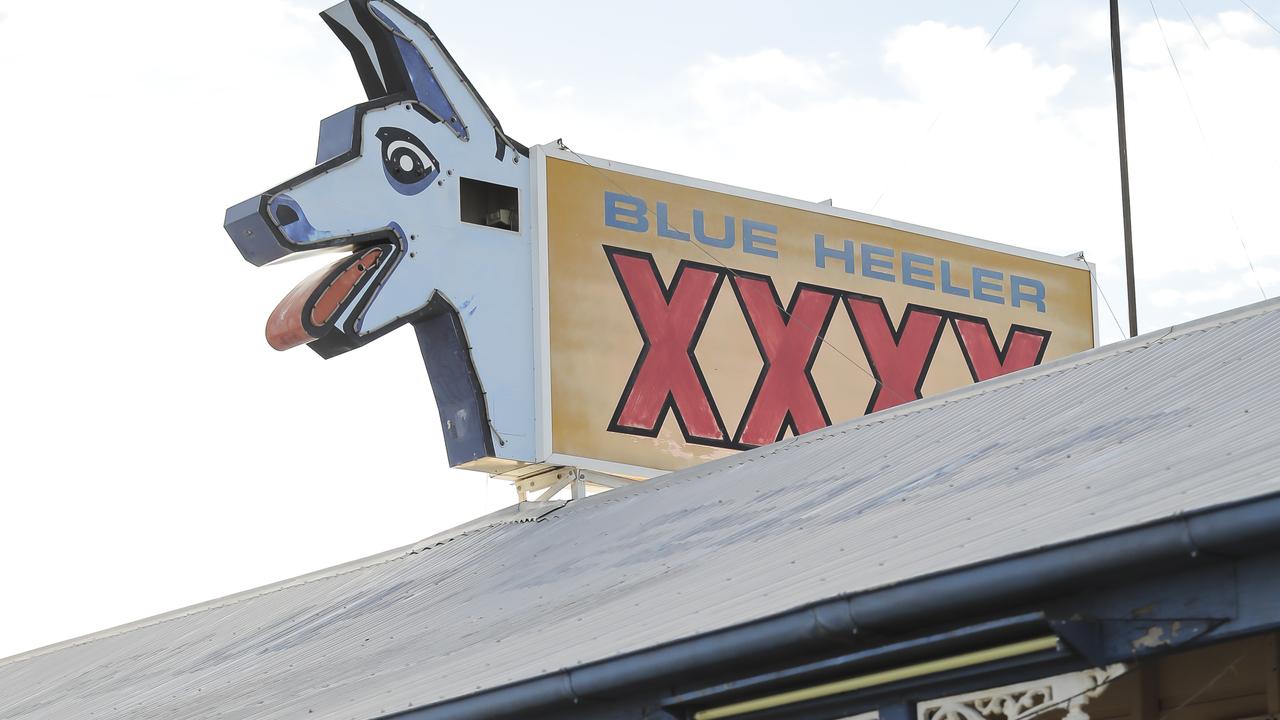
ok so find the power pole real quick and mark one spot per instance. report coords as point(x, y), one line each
point(1117, 72)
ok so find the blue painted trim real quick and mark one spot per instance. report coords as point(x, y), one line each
point(337, 135)
point(464, 419)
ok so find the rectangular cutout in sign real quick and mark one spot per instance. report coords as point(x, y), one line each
point(489, 204)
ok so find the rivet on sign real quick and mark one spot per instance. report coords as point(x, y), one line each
point(440, 182)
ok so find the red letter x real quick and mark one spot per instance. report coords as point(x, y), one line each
point(666, 374)
point(785, 394)
point(898, 359)
point(1023, 347)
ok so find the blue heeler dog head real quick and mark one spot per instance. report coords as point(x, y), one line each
point(427, 201)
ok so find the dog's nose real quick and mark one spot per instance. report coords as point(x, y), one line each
point(254, 231)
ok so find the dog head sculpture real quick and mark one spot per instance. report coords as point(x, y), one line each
point(427, 197)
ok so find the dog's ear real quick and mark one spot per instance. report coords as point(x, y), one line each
point(396, 53)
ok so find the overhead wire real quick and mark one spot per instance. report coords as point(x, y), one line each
point(895, 176)
point(1176, 70)
point(1098, 286)
point(1260, 17)
point(1195, 25)
point(1228, 668)
point(1001, 25)
point(1204, 139)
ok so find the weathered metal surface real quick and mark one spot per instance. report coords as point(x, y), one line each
point(1169, 423)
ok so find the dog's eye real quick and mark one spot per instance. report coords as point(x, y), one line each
point(408, 164)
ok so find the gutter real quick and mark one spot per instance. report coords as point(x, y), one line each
point(1165, 545)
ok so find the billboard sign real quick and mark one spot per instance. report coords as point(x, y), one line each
point(576, 312)
point(687, 319)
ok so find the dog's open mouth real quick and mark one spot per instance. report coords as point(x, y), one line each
point(316, 303)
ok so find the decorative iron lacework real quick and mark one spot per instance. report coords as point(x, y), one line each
point(1070, 692)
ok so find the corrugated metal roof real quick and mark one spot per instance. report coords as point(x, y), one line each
point(1173, 422)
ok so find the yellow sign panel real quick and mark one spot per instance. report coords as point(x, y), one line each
point(689, 321)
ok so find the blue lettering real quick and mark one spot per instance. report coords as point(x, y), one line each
point(947, 287)
point(700, 231)
point(751, 236)
point(869, 262)
point(917, 266)
point(982, 282)
point(1017, 294)
point(664, 229)
point(617, 216)
point(821, 252)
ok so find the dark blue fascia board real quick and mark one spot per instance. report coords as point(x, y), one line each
point(1165, 547)
point(1223, 600)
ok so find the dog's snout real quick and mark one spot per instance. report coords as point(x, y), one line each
point(267, 228)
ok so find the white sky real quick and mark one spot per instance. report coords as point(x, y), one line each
point(154, 452)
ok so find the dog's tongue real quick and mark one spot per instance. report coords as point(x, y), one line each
point(286, 327)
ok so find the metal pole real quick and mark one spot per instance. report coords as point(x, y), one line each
point(1118, 73)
